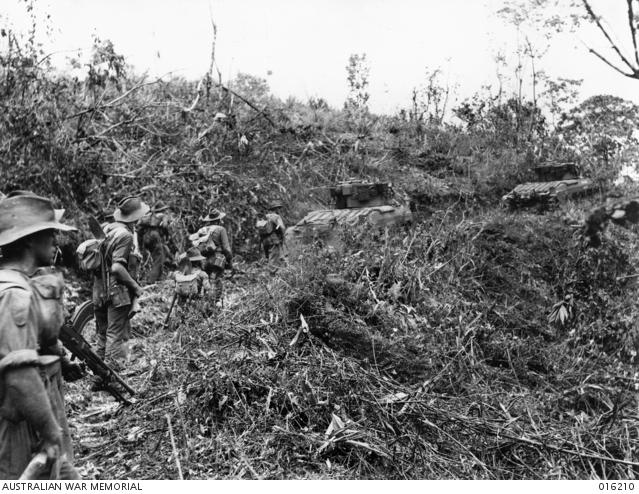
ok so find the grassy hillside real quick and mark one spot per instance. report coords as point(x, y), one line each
point(479, 343)
point(419, 354)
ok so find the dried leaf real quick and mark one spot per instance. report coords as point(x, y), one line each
point(303, 323)
point(392, 398)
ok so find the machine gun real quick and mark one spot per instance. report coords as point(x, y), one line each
point(80, 348)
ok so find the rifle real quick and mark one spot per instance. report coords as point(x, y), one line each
point(80, 348)
point(168, 315)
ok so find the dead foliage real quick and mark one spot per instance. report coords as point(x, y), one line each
point(426, 354)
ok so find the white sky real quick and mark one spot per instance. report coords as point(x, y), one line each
point(305, 44)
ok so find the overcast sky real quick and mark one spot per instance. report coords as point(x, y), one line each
point(302, 46)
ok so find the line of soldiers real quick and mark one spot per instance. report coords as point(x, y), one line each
point(209, 256)
point(201, 268)
point(33, 364)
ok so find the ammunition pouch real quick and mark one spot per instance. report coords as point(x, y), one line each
point(219, 261)
point(119, 295)
point(215, 262)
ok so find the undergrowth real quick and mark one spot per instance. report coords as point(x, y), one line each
point(430, 353)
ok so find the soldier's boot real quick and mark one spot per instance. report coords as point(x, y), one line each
point(218, 289)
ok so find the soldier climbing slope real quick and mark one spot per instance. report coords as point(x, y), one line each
point(271, 231)
point(32, 415)
point(213, 241)
point(191, 282)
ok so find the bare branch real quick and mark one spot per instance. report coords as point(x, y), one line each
point(213, 43)
point(112, 127)
point(633, 30)
point(219, 84)
point(113, 101)
point(198, 92)
point(632, 75)
point(613, 45)
point(46, 57)
point(247, 102)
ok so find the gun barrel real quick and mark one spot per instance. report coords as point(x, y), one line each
point(80, 347)
point(122, 382)
point(94, 362)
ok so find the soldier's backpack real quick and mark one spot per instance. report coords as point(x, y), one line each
point(264, 227)
point(202, 240)
point(208, 246)
point(187, 285)
point(90, 254)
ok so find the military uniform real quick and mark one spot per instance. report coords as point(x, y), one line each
point(273, 241)
point(190, 281)
point(31, 315)
point(154, 233)
point(112, 299)
point(196, 278)
point(29, 332)
point(213, 242)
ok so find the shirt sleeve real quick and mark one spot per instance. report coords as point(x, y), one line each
point(18, 332)
point(123, 247)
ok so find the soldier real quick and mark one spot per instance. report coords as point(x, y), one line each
point(213, 242)
point(106, 218)
point(153, 232)
point(32, 414)
point(271, 232)
point(191, 282)
point(115, 297)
